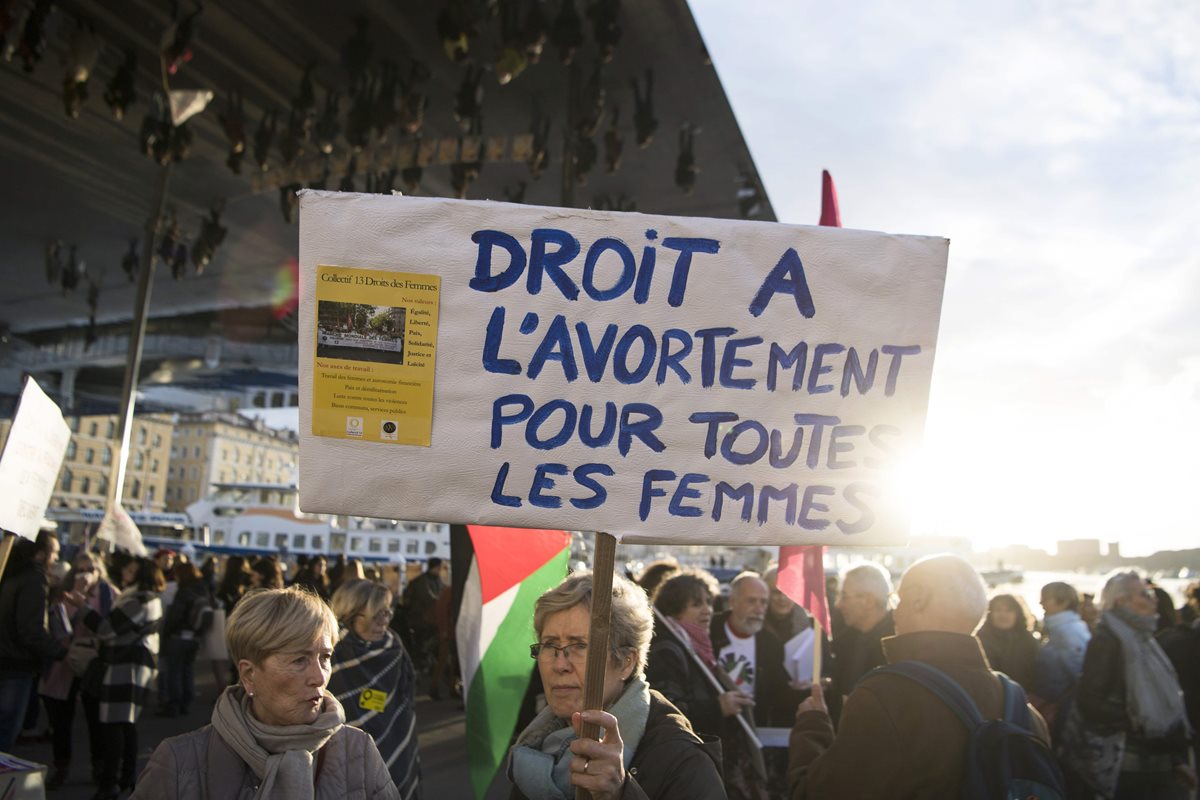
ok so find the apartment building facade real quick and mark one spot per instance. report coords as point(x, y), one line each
point(83, 481)
point(208, 448)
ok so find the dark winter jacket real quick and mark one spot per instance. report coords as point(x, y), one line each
point(896, 739)
point(25, 641)
point(671, 761)
point(672, 671)
point(1101, 700)
point(855, 653)
point(1013, 652)
point(178, 618)
point(1182, 645)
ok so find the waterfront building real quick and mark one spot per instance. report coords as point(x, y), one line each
point(211, 448)
point(83, 480)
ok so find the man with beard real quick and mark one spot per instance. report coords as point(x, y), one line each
point(753, 659)
point(26, 645)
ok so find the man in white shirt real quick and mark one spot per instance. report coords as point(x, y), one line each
point(753, 658)
point(751, 655)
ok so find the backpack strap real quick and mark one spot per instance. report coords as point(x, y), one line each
point(1016, 705)
point(941, 685)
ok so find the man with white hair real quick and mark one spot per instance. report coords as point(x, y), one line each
point(864, 600)
point(753, 657)
point(896, 738)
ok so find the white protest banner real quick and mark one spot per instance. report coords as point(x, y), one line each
point(663, 379)
point(32, 457)
point(120, 529)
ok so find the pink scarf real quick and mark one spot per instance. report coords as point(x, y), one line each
point(701, 640)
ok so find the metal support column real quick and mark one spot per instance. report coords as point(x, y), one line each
point(137, 336)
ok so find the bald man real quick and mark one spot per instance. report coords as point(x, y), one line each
point(896, 739)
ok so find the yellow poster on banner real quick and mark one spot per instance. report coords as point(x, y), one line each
point(376, 347)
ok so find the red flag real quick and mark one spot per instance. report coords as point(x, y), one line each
point(802, 569)
point(802, 578)
point(829, 205)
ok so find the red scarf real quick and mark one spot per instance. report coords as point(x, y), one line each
point(701, 640)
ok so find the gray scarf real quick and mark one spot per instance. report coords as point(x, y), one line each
point(541, 758)
point(280, 755)
point(1153, 699)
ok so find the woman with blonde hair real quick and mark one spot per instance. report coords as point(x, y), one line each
point(277, 733)
point(90, 578)
point(374, 679)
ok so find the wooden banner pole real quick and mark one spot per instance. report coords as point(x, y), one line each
point(816, 670)
point(6, 547)
point(597, 652)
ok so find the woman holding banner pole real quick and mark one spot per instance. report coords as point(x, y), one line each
point(682, 666)
point(648, 749)
point(686, 601)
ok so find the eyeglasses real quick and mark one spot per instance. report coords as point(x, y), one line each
point(549, 652)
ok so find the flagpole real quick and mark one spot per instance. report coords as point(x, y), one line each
point(816, 670)
point(597, 652)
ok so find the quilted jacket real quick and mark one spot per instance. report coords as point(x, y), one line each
point(200, 765)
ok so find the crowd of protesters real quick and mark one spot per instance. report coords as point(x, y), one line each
point(1107, 692)
point(1112, 692)
point(122, 636)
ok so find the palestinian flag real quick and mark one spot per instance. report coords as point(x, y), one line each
point(509, 569)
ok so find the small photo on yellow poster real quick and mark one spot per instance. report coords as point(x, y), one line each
point(375, 352)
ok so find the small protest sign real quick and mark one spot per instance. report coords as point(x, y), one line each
point(662, 378)
point(120, 529)
point(32, 457)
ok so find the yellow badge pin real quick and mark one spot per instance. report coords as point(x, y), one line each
point(373, 700)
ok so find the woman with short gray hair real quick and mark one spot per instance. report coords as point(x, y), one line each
point(648, 750)
point(277, 733)
point(1129, 698)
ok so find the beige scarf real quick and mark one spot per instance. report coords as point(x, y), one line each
point(280, 755)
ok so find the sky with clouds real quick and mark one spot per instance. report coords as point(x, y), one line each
point(1057, 145)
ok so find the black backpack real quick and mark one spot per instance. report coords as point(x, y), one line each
point(200, 617)
point(1005, 761)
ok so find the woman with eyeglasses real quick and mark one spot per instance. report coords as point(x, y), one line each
point(1127, 735)
point(374, 679)
point(648, 749)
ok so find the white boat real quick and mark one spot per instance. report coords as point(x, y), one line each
point(264, 519)
point(1002, 576)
